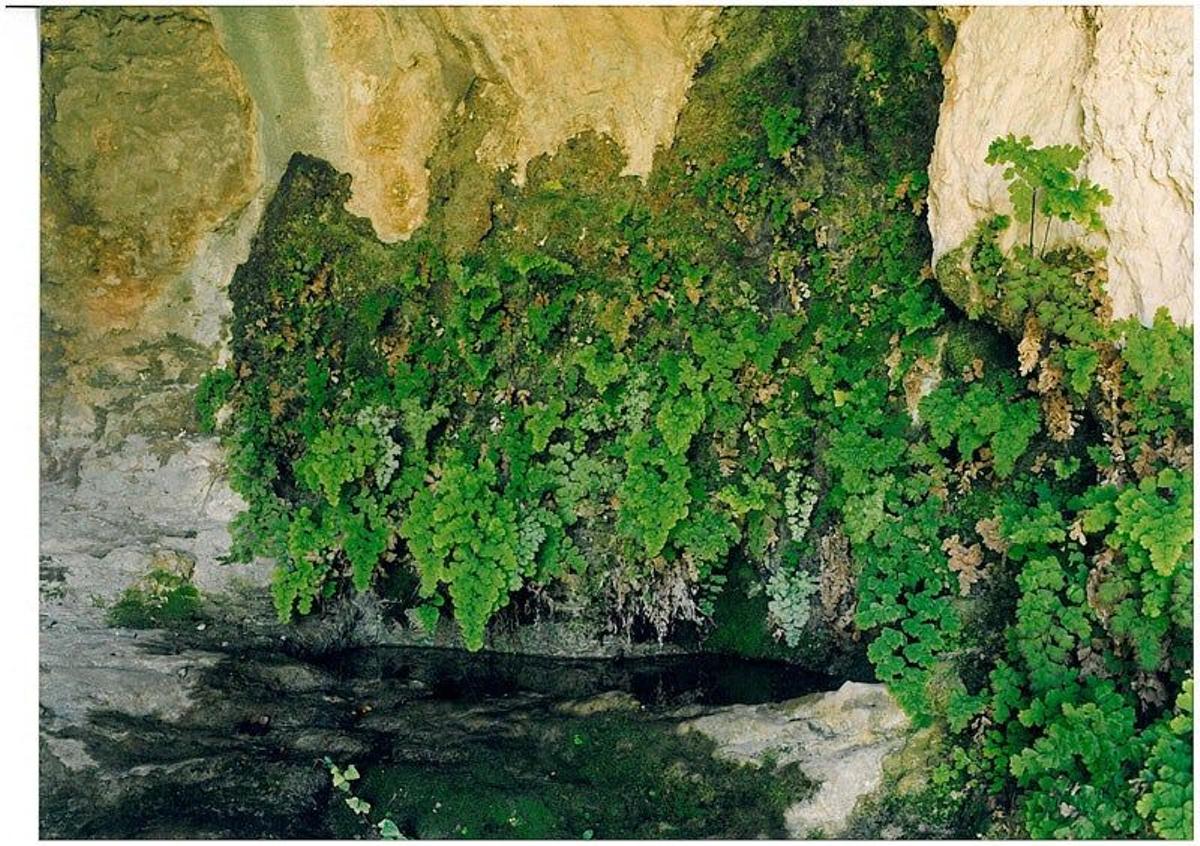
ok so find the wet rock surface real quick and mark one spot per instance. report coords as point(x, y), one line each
point(376, 90)
point(213, 740)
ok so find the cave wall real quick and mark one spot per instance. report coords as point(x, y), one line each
point(164, 133)
point(165, 130)
point(1115, 81)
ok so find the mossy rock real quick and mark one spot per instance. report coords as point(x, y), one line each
point(608, 776)
point(164, 599)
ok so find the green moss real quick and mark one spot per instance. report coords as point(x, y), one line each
point(740, 621)
point(967, 342)
point(609, 776)
point(163, 600)
point(741, 626)
point(930, 813)
point(211, 394)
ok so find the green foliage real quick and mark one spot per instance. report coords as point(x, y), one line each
point(1167, 800)
point(1047, 174)
point(679, 418)
point(982, 416)
point(162, 600)
point(543, 421)
point(1100, 548)
point(427, 616)
point(654, 496)
point(784, 128)
point(211, 395)
point(463, 534)
point(343, 782)
point(791, 591)
point(337, 456)
point(1152, 521)
point(1157, 380)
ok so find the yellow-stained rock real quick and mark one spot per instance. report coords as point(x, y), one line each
point(374, 90)
point(147, 146)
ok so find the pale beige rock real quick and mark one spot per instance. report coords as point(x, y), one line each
point(621, 71)
point(840, 739)
point(1115, 81)
point(401, 77)
point(151, 187)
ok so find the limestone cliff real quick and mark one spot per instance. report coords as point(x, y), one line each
point(1116, 82)
point(373, 90)
point(164, 131)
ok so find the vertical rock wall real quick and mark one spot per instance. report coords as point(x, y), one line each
point(150, 180)
point(1116, 81)
point(164, 131)
point(374, 90)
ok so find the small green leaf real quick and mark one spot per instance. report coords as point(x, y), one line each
point(388, 830)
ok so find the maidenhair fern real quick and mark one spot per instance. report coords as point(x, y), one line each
point(1043, 179)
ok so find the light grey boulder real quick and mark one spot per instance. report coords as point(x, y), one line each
point(840, 739)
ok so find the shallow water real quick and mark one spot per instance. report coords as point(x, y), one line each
point(247, 760)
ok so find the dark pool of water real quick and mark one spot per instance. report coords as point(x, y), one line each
point(660, 682)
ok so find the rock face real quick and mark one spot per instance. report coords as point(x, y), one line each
point(840, 739)
point(164, 131)
point(149, 181)
point(147, 130)
point(374, 90)
point(1116, 82)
